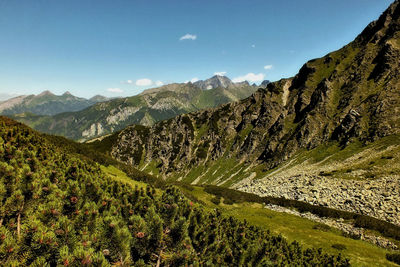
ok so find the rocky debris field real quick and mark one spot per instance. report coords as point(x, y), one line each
point(346, 228)
point(377, 198)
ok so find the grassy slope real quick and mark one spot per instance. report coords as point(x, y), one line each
point(293, 228)
point(355, 161)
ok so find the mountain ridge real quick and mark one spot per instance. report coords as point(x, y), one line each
point(150, 106)
point(46, 103)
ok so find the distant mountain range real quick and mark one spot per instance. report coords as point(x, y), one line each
point(47, 103)
point(147, 108)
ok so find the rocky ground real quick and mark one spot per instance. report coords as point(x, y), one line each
point(341, 225)
point(378, 198)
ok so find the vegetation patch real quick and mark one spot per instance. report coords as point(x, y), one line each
point(394, 257)
point(339, 246)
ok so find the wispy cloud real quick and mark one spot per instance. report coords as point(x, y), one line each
point(253, 46)
point(188, 36)
point(220, 73)
point(115, 90)
point(144, 82)
point(159, 83)
point(250, 77)
point(268, 67)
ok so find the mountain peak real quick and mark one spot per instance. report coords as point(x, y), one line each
point(98, 98)
point(214, 82)
point(45, 93)
point(265, 83)
point(379, 29)
point(67, 93)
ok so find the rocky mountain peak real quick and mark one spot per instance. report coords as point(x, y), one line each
point(387, 24)
point(214, 82)
point(265, 83)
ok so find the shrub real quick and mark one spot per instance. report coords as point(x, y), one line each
point(339, 246)
point(322, 227)
point(216, 200)
point(228, 201)
point(394, 257)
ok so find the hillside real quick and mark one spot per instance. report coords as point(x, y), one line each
point(47, 103)
point(338, 118)
point(59, 208)
point(146, 108)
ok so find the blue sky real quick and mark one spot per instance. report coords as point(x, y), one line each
point(113, 47)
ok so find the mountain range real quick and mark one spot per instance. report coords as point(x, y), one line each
point(338, 118)
point(47, 103)
point(150, 106)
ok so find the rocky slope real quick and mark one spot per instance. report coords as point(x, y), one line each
point(46, 103)
point(146, 108)
point(350, 96)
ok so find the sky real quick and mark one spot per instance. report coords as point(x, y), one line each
point(120, 48)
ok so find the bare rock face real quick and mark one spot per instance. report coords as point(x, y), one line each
point(214, 82)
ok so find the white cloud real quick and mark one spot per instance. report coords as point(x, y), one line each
point(268, 67)
point(144, 82)
point(115, 90)
point(159, 83)
point(221, 73)
point(188, 36)
point(250, 77)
